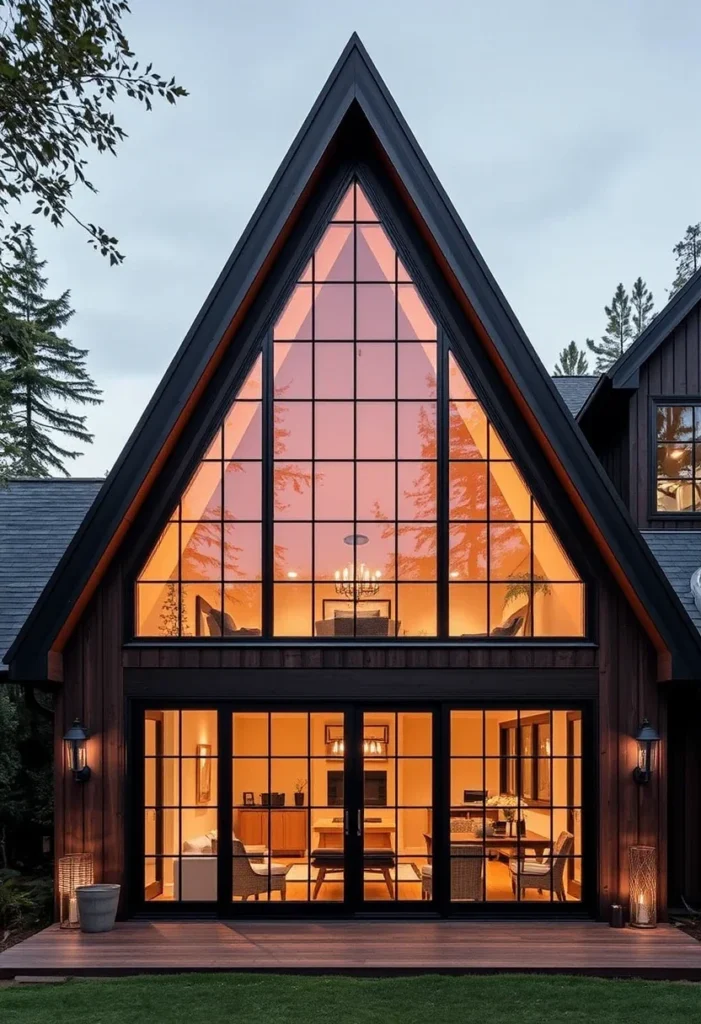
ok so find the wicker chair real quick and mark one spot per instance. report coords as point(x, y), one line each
point(466, 874)
point(253, 879)
point(546, 875)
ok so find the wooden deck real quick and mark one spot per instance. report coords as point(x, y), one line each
point(376, 947)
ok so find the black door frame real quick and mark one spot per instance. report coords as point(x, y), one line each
point(353, 904)
point(360, 907)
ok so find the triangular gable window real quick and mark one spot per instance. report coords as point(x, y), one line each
point(355, 499)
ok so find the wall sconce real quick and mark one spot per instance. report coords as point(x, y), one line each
point(643, 886)
point(76, 741)
point(647, 740)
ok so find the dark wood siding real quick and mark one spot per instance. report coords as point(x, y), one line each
point(91, 817)
point(629, 814)
point(673, 370)
point(685, 808)
point(609, 437)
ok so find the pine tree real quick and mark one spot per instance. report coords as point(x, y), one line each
point(44, 375)
point(687, 254)
point(618, 334)
point(573, 361)
point(643, 303)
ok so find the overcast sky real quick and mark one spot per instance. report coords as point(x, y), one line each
point(567, 139)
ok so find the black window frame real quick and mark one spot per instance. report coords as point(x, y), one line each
point(259, 338)
point(655, 403)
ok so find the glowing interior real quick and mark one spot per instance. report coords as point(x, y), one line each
point(355, 360)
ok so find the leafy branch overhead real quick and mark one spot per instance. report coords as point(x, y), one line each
point(63, 65)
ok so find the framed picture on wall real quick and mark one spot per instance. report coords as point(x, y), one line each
point(543, 762)
point(527, 786)
point(203, 779)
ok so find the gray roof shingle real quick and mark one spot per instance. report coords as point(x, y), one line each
point(575, 390)
point(679, 554)
point(38, 519)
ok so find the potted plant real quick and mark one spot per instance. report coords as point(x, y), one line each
point(518, 589)
point(300, 786)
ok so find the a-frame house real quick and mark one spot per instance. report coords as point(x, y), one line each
point(358, 593)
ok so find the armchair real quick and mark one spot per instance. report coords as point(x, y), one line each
point(547, 874)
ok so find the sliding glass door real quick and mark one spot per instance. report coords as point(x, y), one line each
point(180, 805)
point(393, 808)
point(515, 825)
point(289, 816)
point(364, 808)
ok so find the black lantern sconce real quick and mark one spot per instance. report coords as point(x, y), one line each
point(76, 743)
point(647, 740)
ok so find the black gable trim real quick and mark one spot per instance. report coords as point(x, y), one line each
point(355, 80)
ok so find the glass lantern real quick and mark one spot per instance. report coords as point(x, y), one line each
point(76, 744)
point(73, 870)
point(643, 886)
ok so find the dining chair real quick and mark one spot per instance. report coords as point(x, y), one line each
point(546, 875)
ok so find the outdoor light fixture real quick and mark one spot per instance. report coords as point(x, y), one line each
point(647, 740)
point(643, 886)
point(76, 743)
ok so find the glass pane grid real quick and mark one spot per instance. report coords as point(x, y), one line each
point(508, 575)
point(180, 806)
point(203, 577)
point(678, 458)
point(276, 756)
point(368, 571)
point(397, 830)
point(353, 401)
point(516, 815)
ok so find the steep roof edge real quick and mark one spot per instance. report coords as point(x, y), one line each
point(214, 318)
point(624, 373)
point(354, 78)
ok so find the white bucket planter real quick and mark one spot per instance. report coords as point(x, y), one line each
point(97, 907)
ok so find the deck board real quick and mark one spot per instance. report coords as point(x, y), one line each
point(374, 947)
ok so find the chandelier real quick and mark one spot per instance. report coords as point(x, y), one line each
point(371, 747)
point(356, 581)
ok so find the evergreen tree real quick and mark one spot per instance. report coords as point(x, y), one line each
point(687, 254)
point(573, 361)
point(618, 334)
point(643, 303)
point(45, 374)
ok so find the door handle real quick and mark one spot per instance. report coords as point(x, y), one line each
point(360, 823)
point(347, 818)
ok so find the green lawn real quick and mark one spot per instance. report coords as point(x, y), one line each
point(284, 999)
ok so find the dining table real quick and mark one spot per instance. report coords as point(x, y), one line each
point(501, 843)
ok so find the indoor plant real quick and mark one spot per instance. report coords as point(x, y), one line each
point(300, 786)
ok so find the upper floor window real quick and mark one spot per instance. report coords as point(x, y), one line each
point(678, 434)
point(362, 469)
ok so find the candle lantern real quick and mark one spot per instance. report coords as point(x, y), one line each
point(74, 870)
point(643, 886)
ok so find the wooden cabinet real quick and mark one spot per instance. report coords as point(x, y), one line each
point(288, 828)
point(251, 826)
